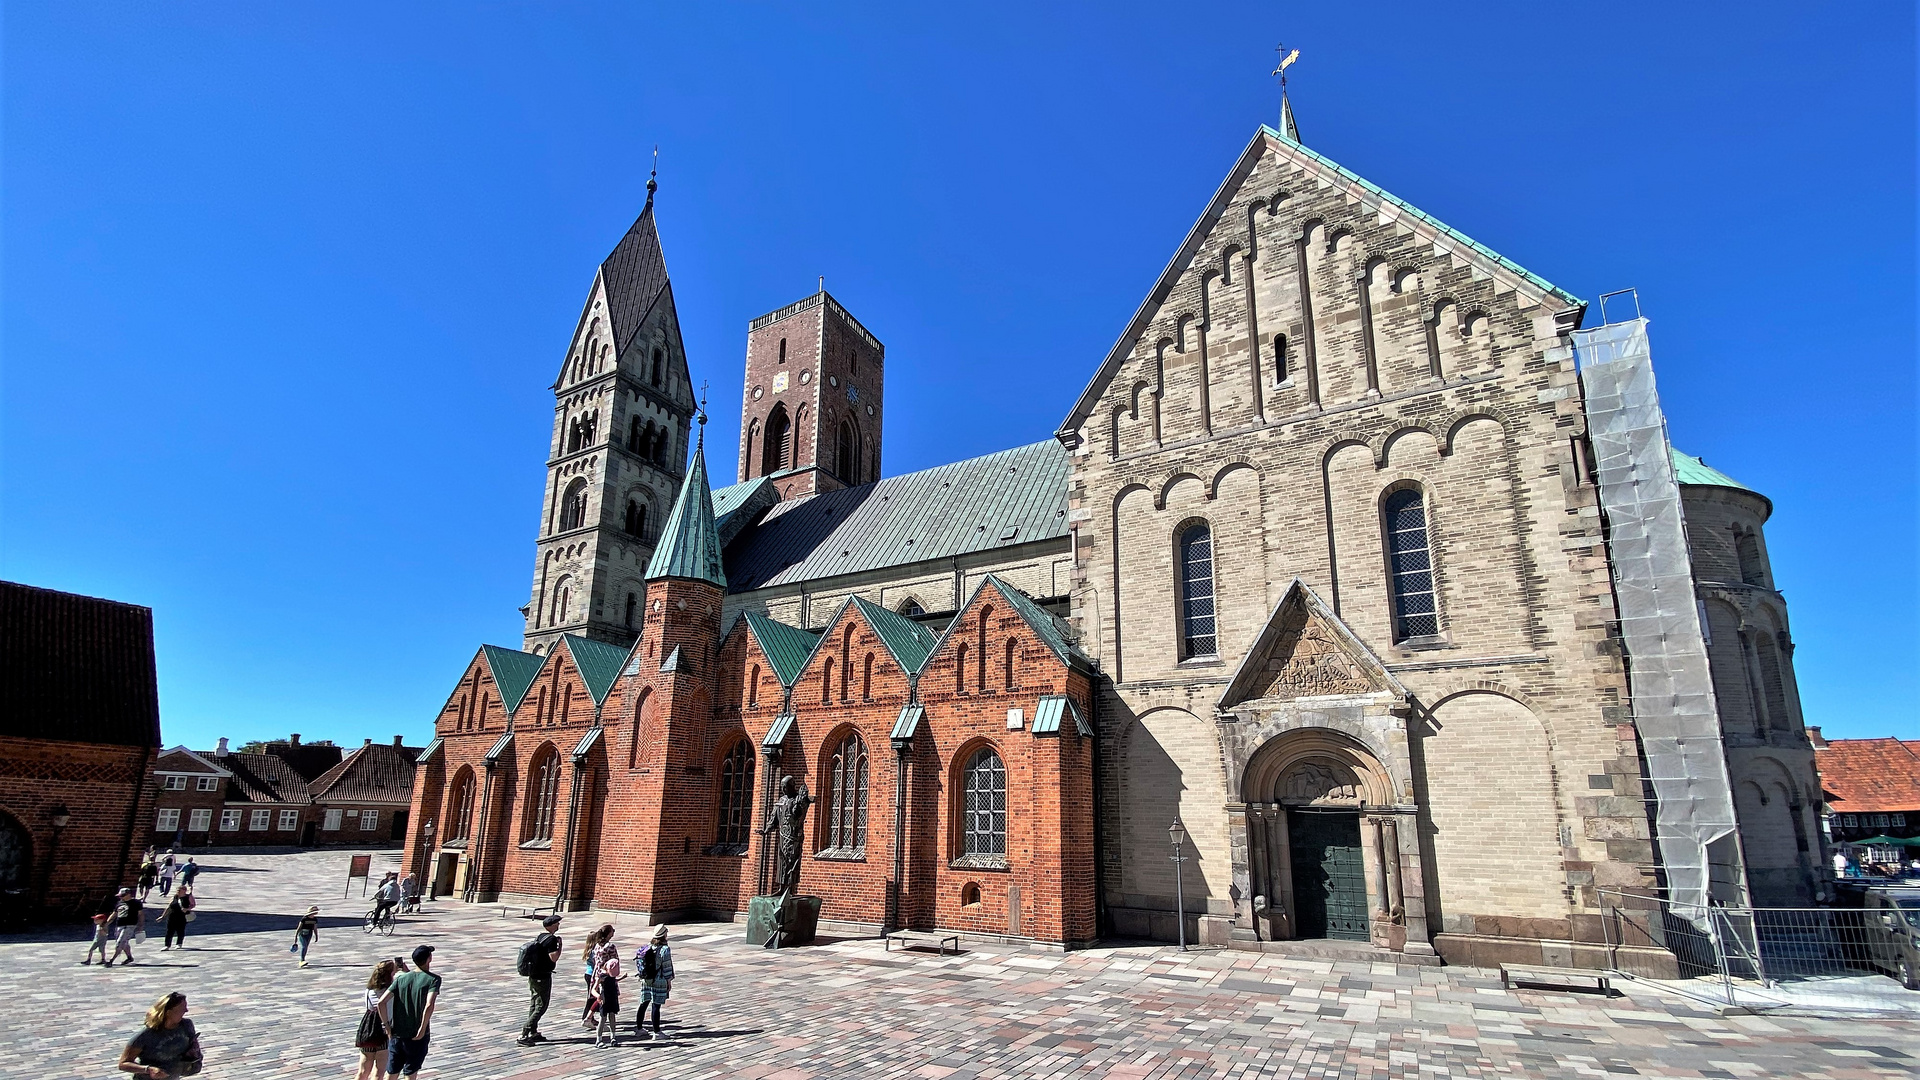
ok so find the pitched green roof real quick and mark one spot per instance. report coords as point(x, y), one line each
point(907, 724)
point(599, 664)
point(1688, 469)
point(690, 543)
point(777, 734)
point(1044, 624)
point(1054, 708)
point(787, 647)
point(908, 641)
point(513, 672)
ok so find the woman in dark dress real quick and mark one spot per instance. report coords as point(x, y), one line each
point(177, 910)
point(167, 1046)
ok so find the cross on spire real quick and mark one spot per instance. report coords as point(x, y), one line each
point(1287, 126)
point(653, 181)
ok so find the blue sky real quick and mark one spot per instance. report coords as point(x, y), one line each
point(284, 285)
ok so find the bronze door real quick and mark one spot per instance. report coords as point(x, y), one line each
point(1329, 875)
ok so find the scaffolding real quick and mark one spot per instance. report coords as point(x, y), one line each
point(1667, 674)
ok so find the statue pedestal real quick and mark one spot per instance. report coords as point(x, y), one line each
point(803, 920)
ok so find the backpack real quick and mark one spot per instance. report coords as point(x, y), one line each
point(649, 964)
point(529, 964)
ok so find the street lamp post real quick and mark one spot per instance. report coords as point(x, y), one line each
point(1178, 834)
point(425, 860)
point(60, 818)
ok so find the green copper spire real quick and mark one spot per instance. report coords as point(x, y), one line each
point(689, 543)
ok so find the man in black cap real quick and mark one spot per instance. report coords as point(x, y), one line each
point(414, 996)
point(537, 962)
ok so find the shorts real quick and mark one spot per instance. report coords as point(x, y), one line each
point(406, 1055)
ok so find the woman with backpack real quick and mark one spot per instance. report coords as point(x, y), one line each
point(376, 1023)
point(656, 979)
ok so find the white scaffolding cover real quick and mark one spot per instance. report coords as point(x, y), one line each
point(1668, 677)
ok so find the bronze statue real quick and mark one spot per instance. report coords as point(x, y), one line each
point(788, 819)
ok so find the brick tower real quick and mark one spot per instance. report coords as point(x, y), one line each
point(623, 407)
point(811, 411)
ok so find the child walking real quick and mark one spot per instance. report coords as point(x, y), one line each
point(608, 987)
point(102, 933)
point(591, 954)
point(656, 979)
point(304, 932)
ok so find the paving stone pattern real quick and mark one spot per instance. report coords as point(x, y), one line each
point(850, 1008)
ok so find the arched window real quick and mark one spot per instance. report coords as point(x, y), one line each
point(634, 436)
point(911, 608)
point(846, 456)
point(1772, 682)
point(573, 506)
point(1197, 624)
point(960, 669)
point(562, 601)
point(633, 602)
point(846, 816)
point(1411, 562)
point(736, 798)
point(460, 809)
point(543, 791)
point(773, 451)
point(980, 678)
point(1279, 358)
point(480, 714)
point(16, 854)
point(866, 679)
point(846, 663)
point(1012, 647)
point(753, 687)
point(660, 447)
point(636, 518)
point(826, 682)
point(635, 758)
point(783, 350)
point(1746, 545)
point(983, 820)
point(659, 362)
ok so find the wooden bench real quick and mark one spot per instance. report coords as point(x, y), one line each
point(525, 912)
point(939, 940)
point(1550, 978)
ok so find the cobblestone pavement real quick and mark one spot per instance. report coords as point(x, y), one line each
point(851, 1009)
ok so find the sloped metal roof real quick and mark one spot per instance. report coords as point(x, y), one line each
point(1010, 497)
point(907, 724)
point(599, 664)
point(787, 647)
point(777, 734)
point(1688, 469)
point(500, 747)
point(635, 274)
point(513, 673)
point(689, 544)
point(1053, 709)
point(586, 744)
point(1048, 628)
point(908, 641)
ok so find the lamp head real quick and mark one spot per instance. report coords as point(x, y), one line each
point(60, 816)
point(1177, 833)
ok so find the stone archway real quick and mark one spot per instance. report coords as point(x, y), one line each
point(1326, 854)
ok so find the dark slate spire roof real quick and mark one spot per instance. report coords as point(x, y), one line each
point(635, 275)
point(689, 543)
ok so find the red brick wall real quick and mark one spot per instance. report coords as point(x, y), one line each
point(107, 794)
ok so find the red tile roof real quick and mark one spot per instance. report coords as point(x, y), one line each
point(1870, 774)
point(374, 773)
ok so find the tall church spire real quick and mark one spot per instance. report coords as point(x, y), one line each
point(689, 543)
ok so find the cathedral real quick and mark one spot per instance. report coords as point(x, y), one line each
point(1342, 579)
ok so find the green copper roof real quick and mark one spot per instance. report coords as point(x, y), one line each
point(586, 744)
point(1044, 624)
point(1054, 708)
point(1688, 469)
point(690, 543)
point(513, 672)
point(908, 641)
point(787, 647)
point(599, 664)
point(907, 724)
point(777, 734)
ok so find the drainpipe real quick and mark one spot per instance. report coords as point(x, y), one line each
point(573, 818)
point(772, 754)
point(901, 748)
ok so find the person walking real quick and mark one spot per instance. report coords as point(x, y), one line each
point(304, 932)
point(656, 979)
point(189, 872)
point(165, 877)
point(166, 1045)
point(149, 871)
point(179, 908)
point(102, 933)
point(591, 954)
point(129, 922)
point(415, 995)
point(607, 986)
point(376, 1024)
point(537, 960)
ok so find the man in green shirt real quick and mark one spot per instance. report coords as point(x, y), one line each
point(414, 996)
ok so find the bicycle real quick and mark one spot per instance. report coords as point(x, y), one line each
point(378, 920)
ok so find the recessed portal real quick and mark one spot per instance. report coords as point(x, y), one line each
point(1329, 874)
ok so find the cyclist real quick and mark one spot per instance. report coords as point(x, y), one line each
point(386, 897)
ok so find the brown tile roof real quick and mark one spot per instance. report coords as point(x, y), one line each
point(263, 778)
point(77, 668)
point(377, 772)
point(1870, 774)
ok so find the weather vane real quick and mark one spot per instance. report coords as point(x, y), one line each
point(1286, 61)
